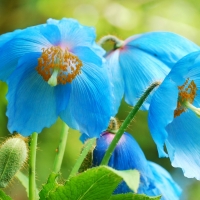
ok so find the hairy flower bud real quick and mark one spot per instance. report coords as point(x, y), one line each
point(13, 154)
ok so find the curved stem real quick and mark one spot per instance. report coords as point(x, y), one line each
point(82, 156)
point(125, 124)
point(61, 149)
point(118, 43)
point(32, 163)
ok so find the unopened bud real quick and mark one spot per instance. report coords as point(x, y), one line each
point(113, 125)
point(13, 154)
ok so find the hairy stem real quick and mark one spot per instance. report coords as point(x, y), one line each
point(125, 124)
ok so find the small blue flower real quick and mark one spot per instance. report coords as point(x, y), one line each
point(154, 180)
point(174, 115)
point(55, 69)
point(143, 59)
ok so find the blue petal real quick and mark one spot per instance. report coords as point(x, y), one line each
point(51, 33)
point(164, 183)
point(154, 180)
point(165, 46)
point(27, 41)
point(127, 155)
point(183, 143)
point(8, 36)
point(140, 70)
point(73, 34)
point(62, 93)
point(116, 78)
point(180, 134)
point(147, 58)
point(31, 101)
point(98, 49)
point(161, 112)
point(186, 67)
point(89, 104)
point(86, 54)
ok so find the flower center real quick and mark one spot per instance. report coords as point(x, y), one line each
point(58, 66)
point(186, 96)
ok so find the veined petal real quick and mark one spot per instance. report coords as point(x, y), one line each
point(127, 155)
point(154, 180)
point(162, 113)
point(62, 93)
point(90, 101)
point(186, 67)
point(183, 143)
point(73, 34)
point(180, 133)
point(31, 101)
point(147, 58)
point(162, 178)
point(83, 52)
point(27, 41)
point(51, 33)
point(8, 36)
point(140, 70)
point(98, 49)
point(115, 77)
point(165, 46)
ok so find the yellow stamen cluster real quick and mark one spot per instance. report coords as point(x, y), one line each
point(187, 93)
point(54, 58)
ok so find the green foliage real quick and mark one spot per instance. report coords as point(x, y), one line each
point(86, 186)
point(97, 183)
point(3, 196)
point(130, 196)
point(13, 154)
point(131, 177)
point(88, 148)
point(89, 145)
point(50, 186)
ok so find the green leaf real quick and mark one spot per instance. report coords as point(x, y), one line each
point(96, 183)
point(50, 186)
point(3, 196)
point(131, 196)
point(131, 177)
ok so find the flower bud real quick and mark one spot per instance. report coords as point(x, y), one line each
point(154, 180)
point(13, 154)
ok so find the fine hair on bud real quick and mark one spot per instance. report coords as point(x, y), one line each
point(13, 155)
point(113, 125)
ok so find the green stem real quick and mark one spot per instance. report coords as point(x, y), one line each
point(125, 124)
point(32, 163)
point(82, 156)
point(118, 43)
point(61, 149)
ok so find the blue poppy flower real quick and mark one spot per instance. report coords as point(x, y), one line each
point(174, 115)
point(143, 59)
point(55, 69)
point(154, 180)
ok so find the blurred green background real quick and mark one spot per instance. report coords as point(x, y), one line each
point(122, 18)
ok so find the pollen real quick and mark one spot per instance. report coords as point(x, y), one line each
point(55, 58)
point(187, 93)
